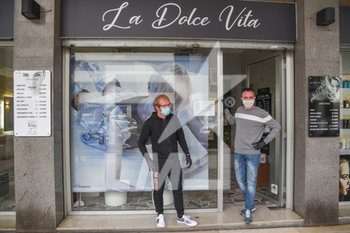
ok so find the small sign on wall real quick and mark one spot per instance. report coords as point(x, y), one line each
point(324, 106)
point(32, 102)
point(274, 189)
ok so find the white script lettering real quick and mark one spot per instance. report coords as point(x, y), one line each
point(136, 19)
point(191, 20)
point(241, 20)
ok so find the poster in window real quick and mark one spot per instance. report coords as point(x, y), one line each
point(111, 98)
point(344, 181)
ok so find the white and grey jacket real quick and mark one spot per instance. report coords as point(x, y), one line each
point(250, 126)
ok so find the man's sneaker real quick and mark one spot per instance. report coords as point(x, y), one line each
point(247, 217)
point(187, 220)
point(160, 221)
point(243, 211)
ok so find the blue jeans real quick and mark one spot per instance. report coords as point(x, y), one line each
point(246, 169)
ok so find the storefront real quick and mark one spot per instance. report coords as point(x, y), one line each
point(107, 60)
point(114, 81)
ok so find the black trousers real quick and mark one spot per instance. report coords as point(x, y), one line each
point(171, 168)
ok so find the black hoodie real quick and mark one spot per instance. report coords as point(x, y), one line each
point(164, 133)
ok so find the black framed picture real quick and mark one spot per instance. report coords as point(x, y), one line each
point(324, 106)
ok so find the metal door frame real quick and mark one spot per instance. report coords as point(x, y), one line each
point(286, 85)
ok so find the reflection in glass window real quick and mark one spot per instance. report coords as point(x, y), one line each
point(111, 97)
point(7, 194)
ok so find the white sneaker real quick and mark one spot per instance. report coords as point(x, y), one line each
point(247, 217)
point(243, 211)
point(187, 220)
point(160, 220)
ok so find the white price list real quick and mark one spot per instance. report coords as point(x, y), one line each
point(32, 103)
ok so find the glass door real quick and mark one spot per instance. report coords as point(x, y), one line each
point(264, 72)
point(266, 77)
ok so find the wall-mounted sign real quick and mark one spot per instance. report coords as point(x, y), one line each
point(32, 103)
point(6, 19)
point(324, 98)
point(249, 20)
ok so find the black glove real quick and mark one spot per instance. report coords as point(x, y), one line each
point(188, 160)
point(258, 145)
point(151, 165)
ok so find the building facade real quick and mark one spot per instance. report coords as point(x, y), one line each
point(78, 83)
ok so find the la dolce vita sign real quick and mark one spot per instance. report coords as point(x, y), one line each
point(179, 19)
point(172, 13)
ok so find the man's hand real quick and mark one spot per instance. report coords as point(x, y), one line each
point(151, 165)
point(188, 160)
point(258, 145)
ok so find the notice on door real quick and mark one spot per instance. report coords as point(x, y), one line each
point(264, 101)
point(324, 98)
point(204, 108)
point(32, 103)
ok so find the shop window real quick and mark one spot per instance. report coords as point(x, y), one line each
point(344, 143)
point(7, 194)
point(111, 97)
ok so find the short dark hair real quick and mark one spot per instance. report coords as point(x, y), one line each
point(247, 89)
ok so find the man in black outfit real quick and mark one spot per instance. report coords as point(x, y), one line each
point(165, 131)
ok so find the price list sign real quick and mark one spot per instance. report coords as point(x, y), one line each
point(324, 95)
point(32, 103)
point(264, 102)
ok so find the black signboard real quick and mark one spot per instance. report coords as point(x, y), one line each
point(263, 99)
point(195, 19)
point(324, 95)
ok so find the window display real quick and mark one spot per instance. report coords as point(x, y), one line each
point(344, 181)
point(344, 139)
point(111, 97)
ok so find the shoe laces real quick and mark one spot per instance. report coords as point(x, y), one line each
point(247, 214)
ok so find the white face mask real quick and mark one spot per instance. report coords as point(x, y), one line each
point(248, 103)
